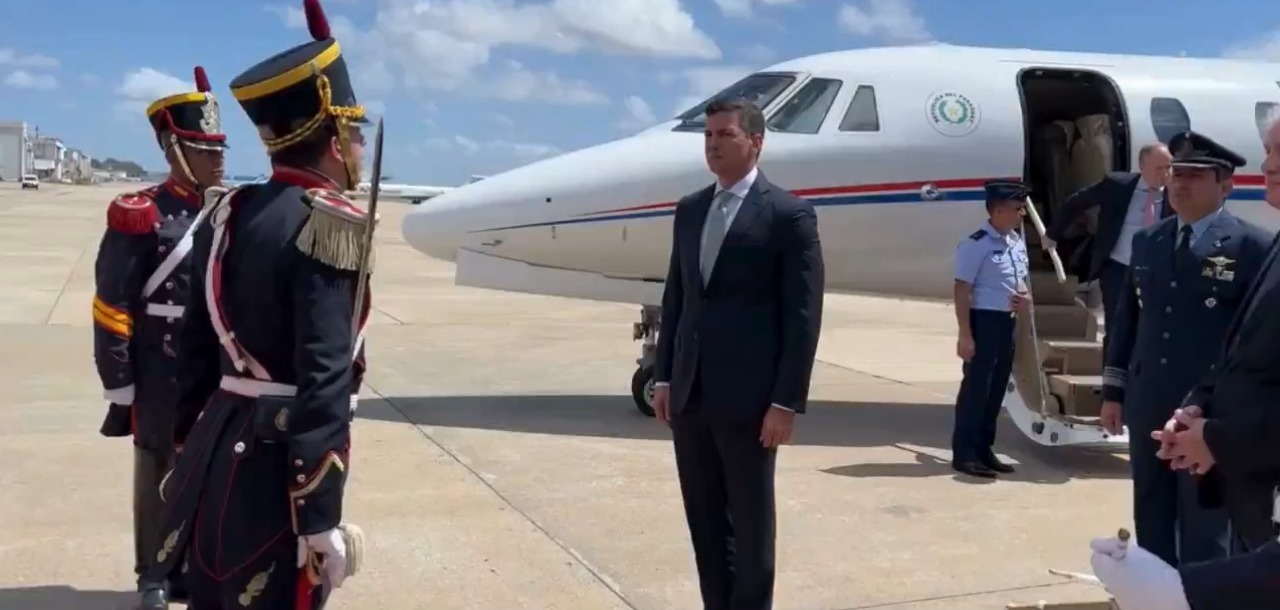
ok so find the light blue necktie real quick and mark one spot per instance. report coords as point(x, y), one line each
point(717, 225)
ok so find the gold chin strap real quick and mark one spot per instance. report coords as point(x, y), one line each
point(342, 115)
point(182, 162)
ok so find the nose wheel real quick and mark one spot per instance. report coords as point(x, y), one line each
point(645, 330)
point(642, 389)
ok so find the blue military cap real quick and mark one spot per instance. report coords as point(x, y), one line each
point(1195, 150)
point(1006, 190)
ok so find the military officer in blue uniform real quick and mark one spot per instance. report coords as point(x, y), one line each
point(990, 287)
point(1186, 281)
point(273, 343)
point(142, 276)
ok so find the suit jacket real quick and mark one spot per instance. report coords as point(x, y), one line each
point(1241, 402)
point(1113, 193)
point(1249, 581)
point(749, 338)
point(1170, 309)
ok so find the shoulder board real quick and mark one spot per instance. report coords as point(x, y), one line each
point(334, 231)
point(979, 234)
point(133, 213)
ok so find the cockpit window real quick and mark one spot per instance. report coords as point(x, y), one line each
point(862, 114)
point(759, 89)
point(805, 111)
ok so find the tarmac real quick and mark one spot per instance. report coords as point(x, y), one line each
point(499, 462)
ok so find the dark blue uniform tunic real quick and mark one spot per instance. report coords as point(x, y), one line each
point(135, 334)
point(266, 421)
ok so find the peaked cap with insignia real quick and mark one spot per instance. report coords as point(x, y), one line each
point(1195, 150)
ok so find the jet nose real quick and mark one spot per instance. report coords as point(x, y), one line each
point(436, 226)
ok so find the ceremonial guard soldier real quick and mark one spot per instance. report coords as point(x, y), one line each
point(1186, 280)
point(142, 275)
point(273, 340)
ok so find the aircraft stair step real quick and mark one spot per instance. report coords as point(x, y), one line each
point(1072, 356)
point(1066, 321)
point(1079, 395)
point(1046, 290)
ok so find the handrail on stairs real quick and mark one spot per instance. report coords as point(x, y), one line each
point(1058, 269)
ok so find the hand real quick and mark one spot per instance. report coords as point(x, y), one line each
point(776, 430)
point(1019, 301)
point(1178, 422)
point(964, 347)
point(332, 551)
point(1047, 244)
point(1190, 452)
point(1111, 421)
point(1139, 581)
point(662, 403)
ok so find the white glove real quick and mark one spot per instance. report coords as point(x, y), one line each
point(333, 554)
point(1138, 581)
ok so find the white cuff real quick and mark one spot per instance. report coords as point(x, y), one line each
point(778, 406)
point(120, 396)
point(658, 384)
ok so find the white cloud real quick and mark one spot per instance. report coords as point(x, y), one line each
point(145, 85)
point(21, 79)
point(10, 57)
point(746, 8)
point(451, 44)
point(1265, 48)
point(499, 150)
point(893, 21)
point(637, 115)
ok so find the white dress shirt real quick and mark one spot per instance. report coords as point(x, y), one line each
point(1133, 220)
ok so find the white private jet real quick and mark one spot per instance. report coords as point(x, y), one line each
point(892, 145)
point(413, 193)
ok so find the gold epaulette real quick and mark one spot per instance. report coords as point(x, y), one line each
point(133, 213)
point(334, 231)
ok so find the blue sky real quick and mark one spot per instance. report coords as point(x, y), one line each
point(479, 86)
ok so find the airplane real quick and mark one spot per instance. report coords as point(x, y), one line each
point(413, 193)
point(892, 146)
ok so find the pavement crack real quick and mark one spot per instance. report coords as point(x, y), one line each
point(937, 598)
point(62, 291)
point(577, 557)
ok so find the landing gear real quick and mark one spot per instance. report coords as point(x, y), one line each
point(642, 381)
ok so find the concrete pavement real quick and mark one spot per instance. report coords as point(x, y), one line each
point(499, 463)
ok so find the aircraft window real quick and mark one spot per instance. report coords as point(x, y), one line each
point(1263, 112)
point(806, 110)
point(863, 114)
point(1169, 118)
point(759, 89)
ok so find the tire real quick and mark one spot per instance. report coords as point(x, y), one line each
point(642, 390)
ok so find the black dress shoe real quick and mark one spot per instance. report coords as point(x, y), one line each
point(154, 598)
point(974, 468)
point(995, 464)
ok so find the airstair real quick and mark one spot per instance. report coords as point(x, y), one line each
point(1055, 393)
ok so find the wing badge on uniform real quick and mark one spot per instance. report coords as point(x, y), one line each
point(1219, 269)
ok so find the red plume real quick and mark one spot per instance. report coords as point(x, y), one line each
point(316, 21)
point(202, 80)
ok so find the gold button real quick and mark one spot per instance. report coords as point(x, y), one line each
point(297, 463)
point(301, 502)
point(302, 478)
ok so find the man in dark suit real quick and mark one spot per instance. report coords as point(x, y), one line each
point(741, 313)
point(1186, 281)
point(1126, 202)
point(1228, 429)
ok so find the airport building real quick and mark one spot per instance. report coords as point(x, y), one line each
point(16, 153)
point(50, 158)
point(79, 166)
